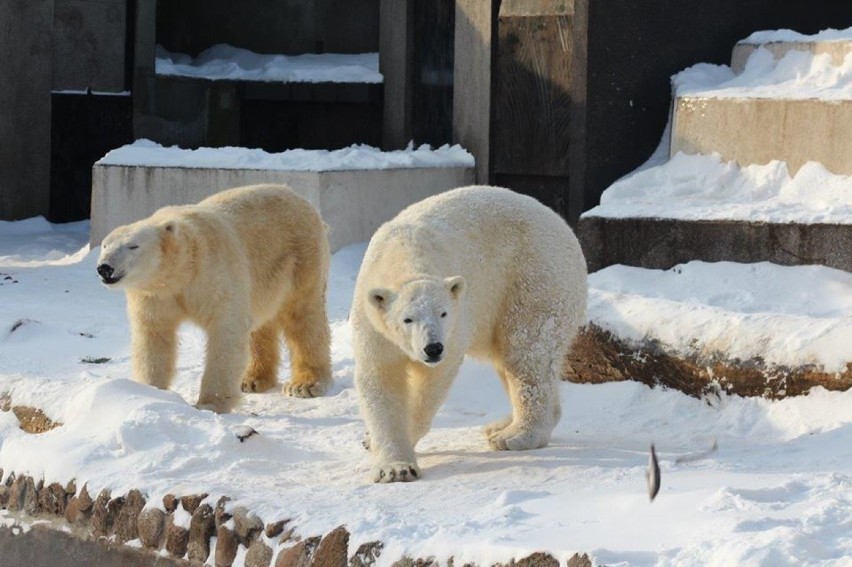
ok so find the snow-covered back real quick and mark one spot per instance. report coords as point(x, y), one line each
point(355, 157)
point(778, 491)
point(226, 62)
point(703, 187)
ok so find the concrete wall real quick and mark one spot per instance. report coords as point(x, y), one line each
point(353, 203)
point(89, 44)
point(27, 59)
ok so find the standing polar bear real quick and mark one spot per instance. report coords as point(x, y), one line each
point(481, 271)
point(245, 265)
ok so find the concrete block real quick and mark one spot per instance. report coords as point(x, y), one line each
point(353, 203)
point(662, 243)
point(757, 130)
point(836, 49)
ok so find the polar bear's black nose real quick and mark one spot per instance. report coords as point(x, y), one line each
point(433, 350)
point(105, 271)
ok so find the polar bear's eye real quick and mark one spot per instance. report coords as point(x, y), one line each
point(133, 247)
point(407, 320)
point(444, 314)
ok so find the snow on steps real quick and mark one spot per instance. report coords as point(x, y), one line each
point(769, 184)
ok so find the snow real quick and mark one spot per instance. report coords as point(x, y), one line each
point(225, 62)
point(798, 75)
point(693, 187)
point(772, 36)
point(777, 492)
point(355, 157)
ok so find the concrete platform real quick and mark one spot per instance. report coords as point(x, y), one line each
point(354, 203)
point(663, 243)
point(836, 49)
point(758, 130)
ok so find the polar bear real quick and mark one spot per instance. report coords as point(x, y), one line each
point(479, 271)
point(245, 265)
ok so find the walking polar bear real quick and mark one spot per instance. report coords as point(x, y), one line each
point(245, 265)
point(478, 271)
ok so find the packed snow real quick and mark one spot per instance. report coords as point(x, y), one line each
point(355, 157)
point(798, 75)
point(772, 36)
point(226, 62)
point(777, 492)
point(693, 187)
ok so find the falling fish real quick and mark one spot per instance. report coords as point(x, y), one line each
point(653, 474)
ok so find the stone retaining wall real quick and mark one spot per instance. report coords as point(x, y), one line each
point(117, 520)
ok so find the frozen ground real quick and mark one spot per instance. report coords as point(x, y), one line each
point(777, 492)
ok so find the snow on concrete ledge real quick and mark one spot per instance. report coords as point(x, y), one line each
point(704, 187)
point(772, 36)
point(225, 62)
point(356, 157)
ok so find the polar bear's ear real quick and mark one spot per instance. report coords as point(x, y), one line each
point(170, 226)
point(380, 298)
point(456, 286)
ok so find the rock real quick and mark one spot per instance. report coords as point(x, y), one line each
point(103, 515)
point(220, 514)
point(202, 527)
point(151, 525)
point(85, 501)
point(30, 497)
point(259, 554)
point(367, 554)
point(52, 499)
point(10, 479)
point(127, 520)
point(409, 562)
point(247, 526)
point(170, 503)
point(4, 496)
point(17, 494)
point(226, 547)
point(578, 560)
point(538, 559)
point(177, 539)
point(333, 549)
point(71, 488)
point(191, 503)
point(296, 556)
point(275, 529)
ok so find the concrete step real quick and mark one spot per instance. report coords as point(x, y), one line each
point(663, 243)
point(786, 104)
point(355, 189)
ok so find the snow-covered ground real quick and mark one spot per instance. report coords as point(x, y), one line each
point(777, 492)
point(355, 157)
point(225, 62)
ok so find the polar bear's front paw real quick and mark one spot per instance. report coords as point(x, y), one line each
point(257, 384)
point(306, 390)
point(217, 404)
point(513, 438)
point(495, 427)
point(396, 472)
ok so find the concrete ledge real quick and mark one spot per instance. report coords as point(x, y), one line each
point(354, 203)
point(836, 49)
point(663, 243)
point(756, 131)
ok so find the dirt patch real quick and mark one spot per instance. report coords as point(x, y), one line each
point(599, 356)
point(33, 420)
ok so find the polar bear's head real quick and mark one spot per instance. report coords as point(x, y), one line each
point(132, 255)
point(420, 316)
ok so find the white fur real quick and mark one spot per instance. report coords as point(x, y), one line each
point(510, 277)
